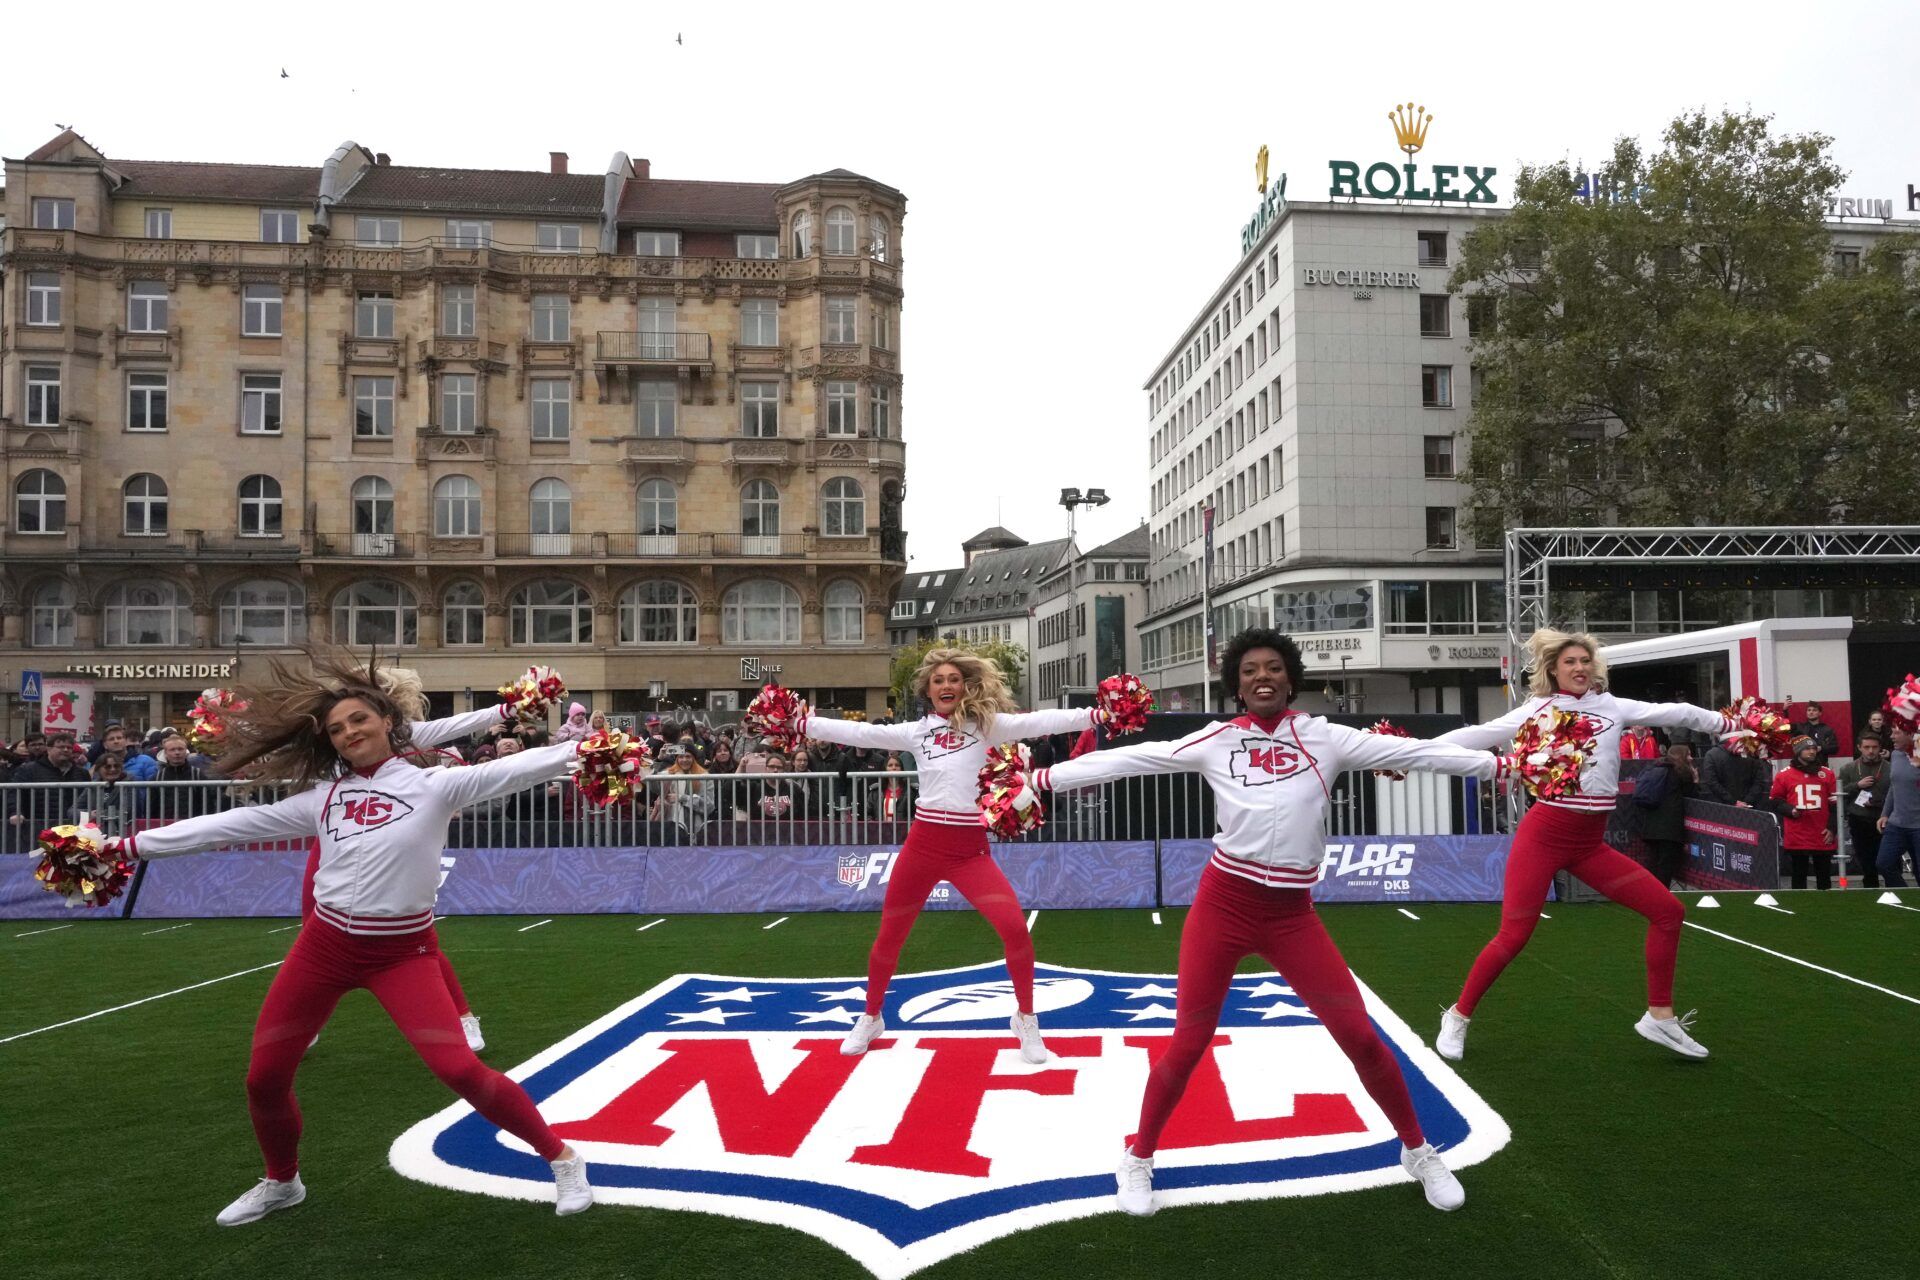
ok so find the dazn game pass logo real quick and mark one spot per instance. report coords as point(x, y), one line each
point(729, 1095)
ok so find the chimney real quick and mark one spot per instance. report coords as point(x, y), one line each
point(556, 162)
point(643, 169)
point(382, 158)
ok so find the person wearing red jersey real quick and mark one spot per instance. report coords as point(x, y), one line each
point(972, 710)
point(1270, 770)
point(381, 820)
point(1569, 672)
point(1805, 790)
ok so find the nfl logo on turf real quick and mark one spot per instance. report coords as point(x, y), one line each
point(852, 866)
point(730, 1095)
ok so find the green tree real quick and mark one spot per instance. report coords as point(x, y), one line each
point(1010, 658)
point(1684, 348)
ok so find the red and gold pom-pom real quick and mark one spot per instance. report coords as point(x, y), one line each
point(533, 693)
point(775, 714)
point(211, 715)
point(1388, 729)
point(1761, 729)
point(1122, 703)
point(609, 767)
point(1550, 751)
point(1903, 704)
point(1003, 784)
point(77, 865)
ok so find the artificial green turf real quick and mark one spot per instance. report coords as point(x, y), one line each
point(1789, 1153)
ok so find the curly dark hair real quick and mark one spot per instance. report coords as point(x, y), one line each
point(1262, 638)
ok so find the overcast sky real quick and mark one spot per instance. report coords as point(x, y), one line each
point(1076, 176)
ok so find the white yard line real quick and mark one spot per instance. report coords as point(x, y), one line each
point(1408, 914)
point(282, 929)
point(117, 1008)
point(58, 927)
point(1031, 917)
point(169, 929)
point(1903, 906)
point(1156, 917)
point(782, 920)
point(535, 925)
point(643, 928)
point(1805, 964)
point(1770, 907)
point(1545, 916)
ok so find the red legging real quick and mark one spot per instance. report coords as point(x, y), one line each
point(1231, 919)
point(934, 852)
point(447, 974)
point(325, 964)
point(1552, 839)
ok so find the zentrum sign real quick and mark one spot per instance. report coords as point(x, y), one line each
point(1389, 181)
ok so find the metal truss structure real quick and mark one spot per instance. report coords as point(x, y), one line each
point(1811, 557)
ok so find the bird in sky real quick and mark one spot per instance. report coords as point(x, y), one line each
point(678, 38)
point(283, 73)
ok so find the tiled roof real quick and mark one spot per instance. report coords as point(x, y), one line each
point(48, 150)
point(994, 536)
point(999, 583)
point(419, 187)
point(670, 202)
point(1134, 542)
point(186, 179)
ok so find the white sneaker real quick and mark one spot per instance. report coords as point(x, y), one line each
point(1426, 1167)
point(471, 1025)
point(1451, 1043)
point(863, 1034)
point(1032, 1048)
point(1671, 1033)
point(266, 1196)
point(571, 1191)
point(1135, 1180)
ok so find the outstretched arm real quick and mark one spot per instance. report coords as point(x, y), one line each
point(1356, 750)
point(1011, 726)
point(1494, 734)
point(857, 733)
point(1676, 715)
point(295, 818)
point(431, 733)
point(470, 784)
point(1138, 760)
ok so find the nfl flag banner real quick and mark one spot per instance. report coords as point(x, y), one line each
point(729, 1095)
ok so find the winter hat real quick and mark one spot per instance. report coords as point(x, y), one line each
point(575, 710)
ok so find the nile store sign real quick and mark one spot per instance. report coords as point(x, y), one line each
point(1383, 180)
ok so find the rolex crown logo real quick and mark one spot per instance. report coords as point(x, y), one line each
point(1260, 168)
point(1410, 127)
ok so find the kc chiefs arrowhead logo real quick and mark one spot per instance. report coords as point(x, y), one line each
point(729, 1095)
point(944, 740)
point(354, 811)
point(1258, 761)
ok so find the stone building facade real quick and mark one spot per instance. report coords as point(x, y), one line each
point(645, 430)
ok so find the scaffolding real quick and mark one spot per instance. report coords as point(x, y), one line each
point(1812, 556)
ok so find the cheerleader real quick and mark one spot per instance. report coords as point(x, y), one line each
point(972, 710)
point(1569, 671)
point(1271, 770)
point(403, 686)
point(381, 820)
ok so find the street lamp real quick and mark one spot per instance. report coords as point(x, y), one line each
point(1072, 498)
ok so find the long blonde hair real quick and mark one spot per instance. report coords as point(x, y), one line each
point(984, 693)
point(1544, 648)
point(283, 735)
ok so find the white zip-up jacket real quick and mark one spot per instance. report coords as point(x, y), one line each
point(380, 832)
point(950, 756)
point(1272, 783)
point(1600, 777)
point(431, 733)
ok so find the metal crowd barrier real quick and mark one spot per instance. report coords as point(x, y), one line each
point(760, 809)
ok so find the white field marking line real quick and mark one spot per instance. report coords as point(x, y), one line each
point(1408, 914)
point(1903, 906)
point(1770, 907)
point(169, 929)
point(58, 927)
point(643, 928)
point(1156, 915)
point(162, 996)
point(1031, 917)
point(1805, 964)
point(535, 925)
point(282, 929)
point(782, 920)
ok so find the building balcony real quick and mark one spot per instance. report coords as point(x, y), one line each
point(161, 346)
point(875, 455)
point(438, 350)
point(431, 444)
point(673, 350)
point(55, 340)
point(651, 455)
point(770, 454)
point(728, 546)
point(548, 545)
point(854, 357)
point(363, 546)
point(659, 546)
point(175, 544)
